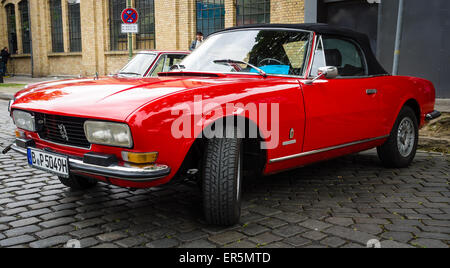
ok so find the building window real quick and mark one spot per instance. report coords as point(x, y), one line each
point(57, 26)
point(25, 19)
point(118, 40)
point(146, 37)
point(74, 25)
point(210, 16)
point(252, 12)
point(11, 27)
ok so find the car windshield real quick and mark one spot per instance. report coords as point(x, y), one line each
point(279, 52)
point(139, 65)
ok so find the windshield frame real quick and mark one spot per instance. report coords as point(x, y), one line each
point(307, 54)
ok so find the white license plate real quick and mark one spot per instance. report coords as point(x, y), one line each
point(53, 163)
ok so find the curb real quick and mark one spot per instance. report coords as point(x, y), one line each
point(443, 105)
point(432, 153)
point(6, 96)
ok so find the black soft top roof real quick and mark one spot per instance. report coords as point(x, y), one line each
point(374, 66)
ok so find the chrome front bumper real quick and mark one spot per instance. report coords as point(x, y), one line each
point(133, 174)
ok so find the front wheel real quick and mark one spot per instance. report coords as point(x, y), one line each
point(400, 149)
point(222, 181)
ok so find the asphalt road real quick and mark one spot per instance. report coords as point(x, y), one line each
point(341, 203)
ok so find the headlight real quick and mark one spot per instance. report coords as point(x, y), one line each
point(105, 133)
point(24, 120)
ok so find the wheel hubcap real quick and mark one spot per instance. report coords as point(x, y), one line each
point(406, 137)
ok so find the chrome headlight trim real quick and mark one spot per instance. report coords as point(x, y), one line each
point(108, 133)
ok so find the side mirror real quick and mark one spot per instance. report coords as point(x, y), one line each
point(329, 72)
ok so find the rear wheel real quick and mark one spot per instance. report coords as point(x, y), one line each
point(400, 149)
point(222, 180)
point(78, 182)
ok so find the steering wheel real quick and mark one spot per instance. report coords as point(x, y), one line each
point(269, 60)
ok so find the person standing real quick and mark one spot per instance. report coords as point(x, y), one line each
point(4, 61)
point(197, 42)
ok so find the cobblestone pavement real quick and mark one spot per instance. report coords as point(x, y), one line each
point(341, 203)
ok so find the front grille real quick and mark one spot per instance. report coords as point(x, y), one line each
point(62, 130)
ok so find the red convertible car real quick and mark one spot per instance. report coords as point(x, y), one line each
point(252, 100)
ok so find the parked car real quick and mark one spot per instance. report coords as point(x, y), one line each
point(150, 63)
point(322, 88)
point(144, 64)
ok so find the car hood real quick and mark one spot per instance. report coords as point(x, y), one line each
point(108, 98)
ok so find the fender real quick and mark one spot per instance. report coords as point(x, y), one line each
point(406, 89)
point(201, 107)
point(404, 101)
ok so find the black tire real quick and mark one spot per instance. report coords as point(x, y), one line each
point(78, 182)
point(389, 153)
point(222, 181)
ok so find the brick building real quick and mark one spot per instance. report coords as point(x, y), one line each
point(82, 37)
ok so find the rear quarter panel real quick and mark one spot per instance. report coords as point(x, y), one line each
point(396, 91)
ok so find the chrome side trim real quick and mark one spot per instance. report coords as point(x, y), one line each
point(286, 143)
point(289, 157)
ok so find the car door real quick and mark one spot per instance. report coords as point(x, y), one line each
point(345, 109)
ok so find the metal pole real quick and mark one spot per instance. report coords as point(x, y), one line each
point(130, 39)
point(380, 23)
point(31, 41)
point(398, 37)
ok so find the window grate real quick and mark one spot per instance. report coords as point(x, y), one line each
point(252, 12)
point(210, 16)
point(11, 27)
point(57, 26)
point(118, 41)
point(25, 19)
point(74, 27)
point(146, 37)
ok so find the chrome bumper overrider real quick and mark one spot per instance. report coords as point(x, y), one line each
point(115, 171)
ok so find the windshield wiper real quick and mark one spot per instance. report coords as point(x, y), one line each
point(229, 62)
point(131, 73)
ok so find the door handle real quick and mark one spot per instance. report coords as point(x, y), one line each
point(371, 91)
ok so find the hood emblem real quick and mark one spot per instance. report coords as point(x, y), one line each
point(63, 132)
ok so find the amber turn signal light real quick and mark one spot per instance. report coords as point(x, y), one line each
point(20, 134)
point(140, 158)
